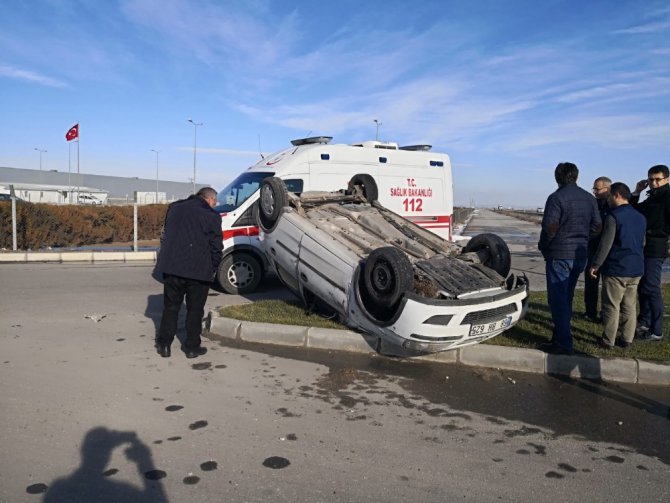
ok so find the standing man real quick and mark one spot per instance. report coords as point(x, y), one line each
point(656, 210)
point(620, 261)
point(190, 253)
point(601, 191)
point(570, 217)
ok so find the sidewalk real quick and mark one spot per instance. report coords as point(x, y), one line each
point(480, 355)
point(90, 257)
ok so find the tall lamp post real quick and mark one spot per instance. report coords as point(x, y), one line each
point(195, 145)
point(377, 134)
point(41, 152)
point(154, 150)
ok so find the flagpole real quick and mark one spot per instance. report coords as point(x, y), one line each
point(69, 166)
point(78, 180)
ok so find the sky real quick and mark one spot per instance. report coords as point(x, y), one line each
point(507, 88)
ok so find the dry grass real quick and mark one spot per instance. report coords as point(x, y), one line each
point(533, 330)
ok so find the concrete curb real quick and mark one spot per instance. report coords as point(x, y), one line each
point(623, 370)
point(90, 257)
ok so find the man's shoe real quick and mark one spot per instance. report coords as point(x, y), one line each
point(640, 330)
point(195, 352)
point(603, 344)
point(623, 344)
point(163, 350)
point(648, 336)
point(555, 349)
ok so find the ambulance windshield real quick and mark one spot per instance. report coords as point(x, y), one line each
point(239, 190)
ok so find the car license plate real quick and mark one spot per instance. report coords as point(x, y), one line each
point(486, 328)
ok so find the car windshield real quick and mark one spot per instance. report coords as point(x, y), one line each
point(239, 190)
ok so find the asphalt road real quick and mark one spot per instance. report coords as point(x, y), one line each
point(90, 413)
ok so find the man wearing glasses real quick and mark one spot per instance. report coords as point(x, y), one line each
point(656, 210)
point(601, 191)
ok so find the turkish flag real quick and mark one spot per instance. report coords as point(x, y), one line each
point(73, 133)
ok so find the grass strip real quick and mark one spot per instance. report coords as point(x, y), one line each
point(530, 332)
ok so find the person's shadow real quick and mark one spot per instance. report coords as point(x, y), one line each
point(90, 482)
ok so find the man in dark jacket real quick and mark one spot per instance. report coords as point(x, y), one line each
point(620, 261)
point(570, 217)
point(656, 210)
point(601, 191)
point(191, 250)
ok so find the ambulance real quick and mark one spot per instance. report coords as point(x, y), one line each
point(412, 181)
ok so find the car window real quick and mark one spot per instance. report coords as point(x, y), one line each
point(294, 185)
point(239, 190)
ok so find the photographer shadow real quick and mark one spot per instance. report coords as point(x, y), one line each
point(90, 482)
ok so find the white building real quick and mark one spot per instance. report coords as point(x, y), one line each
point(55, 194)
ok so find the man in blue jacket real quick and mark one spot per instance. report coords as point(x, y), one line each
point(570, 218)
point(190, 253)
point(656, 210)
point(620, 261)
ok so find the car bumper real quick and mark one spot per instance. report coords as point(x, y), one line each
point(424, 326)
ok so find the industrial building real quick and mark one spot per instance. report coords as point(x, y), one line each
point(64, 188)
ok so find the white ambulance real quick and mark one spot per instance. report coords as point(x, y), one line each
point(412, 181)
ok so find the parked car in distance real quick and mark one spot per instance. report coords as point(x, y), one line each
point(384, 275)
point(89, 199)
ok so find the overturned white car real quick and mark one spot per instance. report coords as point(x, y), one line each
point(384, 275)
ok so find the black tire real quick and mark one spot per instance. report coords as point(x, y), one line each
point(499, 258)
point(273, 197)
point(368, 184)
point(388, 274)
point(239, 273)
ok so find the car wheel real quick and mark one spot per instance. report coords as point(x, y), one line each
point(497, 256)
point(239, 273)
point(368, 184)
point(273, 197)
point(388, 274)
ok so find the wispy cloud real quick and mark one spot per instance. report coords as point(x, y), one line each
point(220, 151)
point(30, 76)
point(654, 27)
point(609, 131)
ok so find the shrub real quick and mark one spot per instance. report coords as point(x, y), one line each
point(44, 225)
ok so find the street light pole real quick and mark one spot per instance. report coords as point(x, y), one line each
point(377, 134)
point(41, 152)
point(154, 150)
point(195, 145)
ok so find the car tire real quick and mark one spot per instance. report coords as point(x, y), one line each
point(499, 257)
point(273, 197)
point(239, 273)
point(368, 184)
point(387, 275)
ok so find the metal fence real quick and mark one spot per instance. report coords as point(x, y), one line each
point(39, 226)
point(461, 215)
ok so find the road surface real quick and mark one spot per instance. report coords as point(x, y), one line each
point(89, 409)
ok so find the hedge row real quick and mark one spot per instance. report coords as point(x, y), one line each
point(45, 225)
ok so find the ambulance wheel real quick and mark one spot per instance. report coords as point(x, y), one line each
point(496, 256)
point(273, 198)
point(368, 184)
point(239, 273)
point(388, 274)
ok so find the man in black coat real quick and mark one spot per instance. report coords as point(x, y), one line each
point(601, 191)
point(190, 253)
point(656, 209)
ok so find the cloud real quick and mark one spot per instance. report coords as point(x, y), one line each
point(608, 131)
point(220, 151)
point(30, 76)
point(654, 27)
